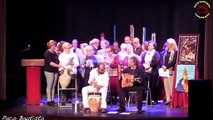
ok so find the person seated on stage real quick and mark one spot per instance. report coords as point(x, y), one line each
point(132, 80)
point(99, 81)
point(68, 60)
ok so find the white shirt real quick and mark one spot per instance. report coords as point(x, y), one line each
point(101, 79)
point(148, 59)
point(122, 55)
point(67, 59)
point(78, 52)
point(102, 54)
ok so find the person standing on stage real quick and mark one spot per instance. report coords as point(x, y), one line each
point(136, 71)
point(112, 67)
point(127, 40)
point(98, 82)
point(144, 48)
point(150, 62)
point(102, 52)
point(163, 93)
point(82, 46)
point(76, 50)
point(130, 53)
point(80, 55)
point(122, 54)
point(116, 47)
point(51, 66)
point(87, 63)
point(137, 48)
point(168, 62)
point(95, 44)
point(59, 48)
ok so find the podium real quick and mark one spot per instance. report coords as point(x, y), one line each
point(33, 82)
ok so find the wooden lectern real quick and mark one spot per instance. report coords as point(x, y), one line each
point(33, 76)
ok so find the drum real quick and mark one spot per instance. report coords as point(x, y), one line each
point(94, 100)
point(64, 79)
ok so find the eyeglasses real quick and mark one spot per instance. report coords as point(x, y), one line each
point(67, 48)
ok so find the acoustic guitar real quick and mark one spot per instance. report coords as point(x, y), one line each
point(128, 80)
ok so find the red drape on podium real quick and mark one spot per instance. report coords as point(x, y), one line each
point(33, 85)
point(180, 99)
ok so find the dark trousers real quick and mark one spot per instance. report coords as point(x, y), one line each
point(79, 82)
point(125, 91)
point(153, 81)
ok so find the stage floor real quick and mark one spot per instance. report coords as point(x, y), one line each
point(42, 111)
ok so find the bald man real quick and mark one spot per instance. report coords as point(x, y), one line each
point(137, 48)
point(99, 81)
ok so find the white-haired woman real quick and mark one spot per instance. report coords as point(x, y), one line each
point(88, 62)
point(168, 61)
point(130, 53)
point(68, 59)
point(95, 44)
point(122, 54)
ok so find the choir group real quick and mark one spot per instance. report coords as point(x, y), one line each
point(99, 66)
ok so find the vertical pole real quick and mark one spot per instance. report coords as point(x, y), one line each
point(144, 34)
point(132, 32)
point(114, 33)
point(153, 36)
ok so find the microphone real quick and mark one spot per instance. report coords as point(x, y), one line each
point(25, 49)
point(28, 47)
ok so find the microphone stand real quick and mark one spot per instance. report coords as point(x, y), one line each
point(25, 49)
point(76, 104)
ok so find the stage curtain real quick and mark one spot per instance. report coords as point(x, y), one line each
point(208, 64)
point(2, 51)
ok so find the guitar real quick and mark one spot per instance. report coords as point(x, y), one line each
point(128, 80)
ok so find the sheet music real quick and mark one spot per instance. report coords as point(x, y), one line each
point(163, 73)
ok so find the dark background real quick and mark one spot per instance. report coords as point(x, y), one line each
point(34, 22)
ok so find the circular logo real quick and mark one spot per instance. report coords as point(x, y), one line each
point(202, 9)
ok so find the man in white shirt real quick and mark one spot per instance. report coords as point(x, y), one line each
point(99, 81)
point(76, 50)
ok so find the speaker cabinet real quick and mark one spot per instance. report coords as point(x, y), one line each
point(200, 103)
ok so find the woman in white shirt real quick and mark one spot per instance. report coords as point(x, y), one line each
point(150, 62)
point(69, 60)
